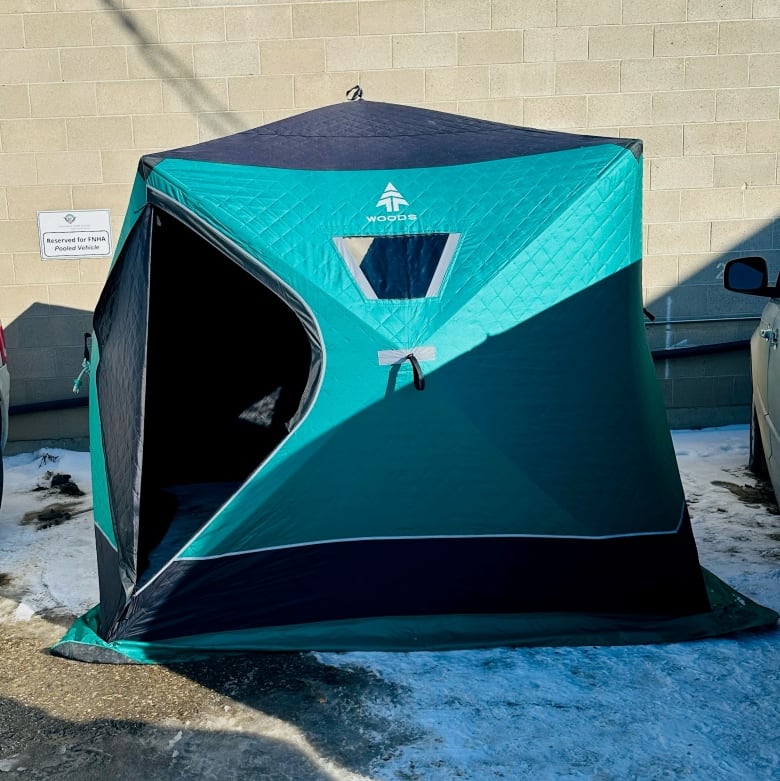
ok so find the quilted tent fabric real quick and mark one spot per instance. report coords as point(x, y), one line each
point(529, 494)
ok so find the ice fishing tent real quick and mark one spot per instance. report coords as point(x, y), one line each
point(375, 376)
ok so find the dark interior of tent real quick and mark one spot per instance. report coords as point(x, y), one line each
point(227, 365)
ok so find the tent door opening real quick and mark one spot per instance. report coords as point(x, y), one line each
point(227, 363)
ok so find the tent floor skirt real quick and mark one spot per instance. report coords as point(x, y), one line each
point(730, 612)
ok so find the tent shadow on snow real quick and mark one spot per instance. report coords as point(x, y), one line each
point(529, 494)
point(316, 701)
point(337, 709)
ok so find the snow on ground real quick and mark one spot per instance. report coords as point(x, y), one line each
point(699, 710)
point(51, 562)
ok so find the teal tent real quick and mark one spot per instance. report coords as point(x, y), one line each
point(376, 377)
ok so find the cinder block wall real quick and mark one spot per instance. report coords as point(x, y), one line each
point(87, 86)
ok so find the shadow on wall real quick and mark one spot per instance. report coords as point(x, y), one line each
point(45, 354)
point(700, 339)
point(177, 73)
point(45, 342)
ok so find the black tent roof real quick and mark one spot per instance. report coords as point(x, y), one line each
point(364, 135)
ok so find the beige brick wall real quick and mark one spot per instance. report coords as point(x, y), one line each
point(87, 86)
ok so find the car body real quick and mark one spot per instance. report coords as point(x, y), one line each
point(5, 393)
point(750, 276)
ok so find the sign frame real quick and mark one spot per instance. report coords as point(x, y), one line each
point(74, 234)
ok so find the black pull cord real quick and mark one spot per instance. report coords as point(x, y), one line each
point(419, 378)
point(87, 337)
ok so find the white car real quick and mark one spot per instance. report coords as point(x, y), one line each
point(750, 276)
point(5, 392)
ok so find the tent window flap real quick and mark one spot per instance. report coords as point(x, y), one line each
point(398, 267)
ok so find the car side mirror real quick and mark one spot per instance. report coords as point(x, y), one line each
point(749, 275)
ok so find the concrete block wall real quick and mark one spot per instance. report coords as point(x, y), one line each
point(87, 86)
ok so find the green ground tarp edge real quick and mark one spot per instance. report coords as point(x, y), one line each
point(731, 612)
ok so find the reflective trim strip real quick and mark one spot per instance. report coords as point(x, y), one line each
point(354, 268)
point(106, 537)
point(444, 264)
point(313, 543)
point(392, 357)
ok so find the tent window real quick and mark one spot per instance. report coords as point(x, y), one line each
point(410, 266)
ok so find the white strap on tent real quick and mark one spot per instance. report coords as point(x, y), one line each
point(392, 357)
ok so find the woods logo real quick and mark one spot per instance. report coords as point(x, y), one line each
point(392, 200)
